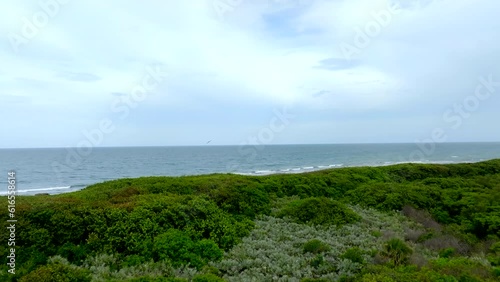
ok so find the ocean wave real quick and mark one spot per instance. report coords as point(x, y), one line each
point(291, 170)
point(294, 170)
point(263, 171)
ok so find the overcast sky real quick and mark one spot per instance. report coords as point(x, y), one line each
point(141, 73)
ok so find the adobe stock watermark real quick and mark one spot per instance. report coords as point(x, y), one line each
point(122, 106)
point(11, 208)
point(455, 116)
point(364, 35)
point(249, 148)
point(31, 27)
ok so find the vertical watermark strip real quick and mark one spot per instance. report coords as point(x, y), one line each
point(11, 222)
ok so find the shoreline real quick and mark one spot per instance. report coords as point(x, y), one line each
point(297, 170)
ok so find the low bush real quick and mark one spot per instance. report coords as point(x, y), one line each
point(157, 279)
point(418, 259)
point(496, 272)
point(57, 272)
point(177, 247)
point(446, 242)
point(207, 278)
point(314, 280)
point(413, 234)
point(463, 269)
point(315, 246)
point(317, 261)
point(494, 254)
point(421, 216)
point(319, 211)
point(354, 254)
point(447, 253)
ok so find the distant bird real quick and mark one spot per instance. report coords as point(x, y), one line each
point(209, 141)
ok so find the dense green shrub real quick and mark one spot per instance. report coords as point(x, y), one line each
point(207, 278)
point(354, 254)
point(317, 261)
point(57, 272)
point(177, 247)
point(496, 272)
point(315, 246)
point(319, 211)
point(494, 254)
point(462, 269)
point(453, 270)
point(447, 253)
point(157, 279)
point(133, 260)
point(314, 280)
point(397, 251)
point(106, 267)
point(74, 253)
point(249, 200)
point(381, 273)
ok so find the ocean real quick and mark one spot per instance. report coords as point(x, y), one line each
point(61, 170)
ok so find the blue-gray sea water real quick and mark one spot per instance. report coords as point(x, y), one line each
point(65, 169)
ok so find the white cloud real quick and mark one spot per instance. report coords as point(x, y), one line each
point(261, 54)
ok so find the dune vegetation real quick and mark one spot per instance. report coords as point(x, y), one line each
point(408, 222)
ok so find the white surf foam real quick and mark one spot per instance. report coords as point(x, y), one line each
point(37, 190)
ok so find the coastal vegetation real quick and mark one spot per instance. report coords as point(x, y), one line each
point(407, 222)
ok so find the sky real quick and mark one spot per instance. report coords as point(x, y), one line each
point(235, 72)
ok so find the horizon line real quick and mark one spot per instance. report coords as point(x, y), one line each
point(252, 145)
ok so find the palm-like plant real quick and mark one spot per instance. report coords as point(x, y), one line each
point(397, 251)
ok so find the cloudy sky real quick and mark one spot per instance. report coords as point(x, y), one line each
point(141, 73)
